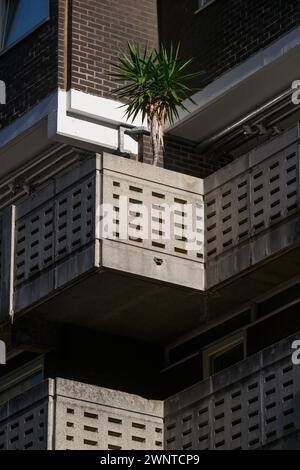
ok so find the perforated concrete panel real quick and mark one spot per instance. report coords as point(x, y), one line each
point(177, 229)
point(252, 405)
point(252, 208)
point(24, 421)
point(252, 202)
point(249, 406)
point(62, 414)
point(90, 418)
point(165, 224)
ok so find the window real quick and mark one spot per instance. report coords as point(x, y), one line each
point(204, 3)
point(223, 354)
point(19, 17)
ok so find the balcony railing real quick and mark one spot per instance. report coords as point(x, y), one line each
point(164, 226)
point(24, 421)
point(254, 404)
point(252, 208)
point(61, 414)
point(57, 234)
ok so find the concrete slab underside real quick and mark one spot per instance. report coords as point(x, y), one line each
point(116, 303)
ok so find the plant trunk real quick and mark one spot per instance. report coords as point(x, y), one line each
point(155, 139)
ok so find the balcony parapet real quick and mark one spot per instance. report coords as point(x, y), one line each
point(251, 405)
point(252, 208)
point(61, 414)
point(164, 226)
point(57, 232)
point(254, 404)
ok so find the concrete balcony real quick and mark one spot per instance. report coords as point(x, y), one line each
point(254, 404)
point(60, 414)
point(252, 208)
point(168, 235)
point(55, 236)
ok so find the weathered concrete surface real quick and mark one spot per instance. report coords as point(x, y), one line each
point(66, 272)
point(251, 405)
point(71, 415)
point(24, 420)
point(103, 419)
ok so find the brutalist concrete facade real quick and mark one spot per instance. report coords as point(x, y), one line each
point(148, 342)
point(253, 405)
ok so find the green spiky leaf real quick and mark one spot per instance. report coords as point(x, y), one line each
point(154, 83)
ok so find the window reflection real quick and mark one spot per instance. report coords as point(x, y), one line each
point(19, 17)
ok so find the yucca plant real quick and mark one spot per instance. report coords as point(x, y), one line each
point(155, 84)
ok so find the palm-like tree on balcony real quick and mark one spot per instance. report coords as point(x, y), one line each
point(154, 84)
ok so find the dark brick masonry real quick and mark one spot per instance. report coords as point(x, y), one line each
point(226, 32)
point(29, 69)
point(183, 157)
point(219, 37)
point(101, 30)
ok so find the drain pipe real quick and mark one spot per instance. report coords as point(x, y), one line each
point(211, 140)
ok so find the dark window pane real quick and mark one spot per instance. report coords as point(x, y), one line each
point(199, 342)
point(277, 301)
point(24, 15)
point(273, 329)
point(228, 358)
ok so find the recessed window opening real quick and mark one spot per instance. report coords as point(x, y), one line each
point(18, 18)
point(224, 354)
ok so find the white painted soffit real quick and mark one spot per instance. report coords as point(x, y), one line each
point(72, 117)
point(241, 90)
point(92, 120)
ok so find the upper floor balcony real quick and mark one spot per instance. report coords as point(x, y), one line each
point(252, 208)
point(113, 223)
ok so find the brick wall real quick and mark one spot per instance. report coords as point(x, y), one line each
point(98, 30)
point(226, 32)
point(183, 157)
point(29, 69)
point(101, 29)
point(220, 36)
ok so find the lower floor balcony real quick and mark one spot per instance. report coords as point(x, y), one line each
point(251, 405)
point(61, 414)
